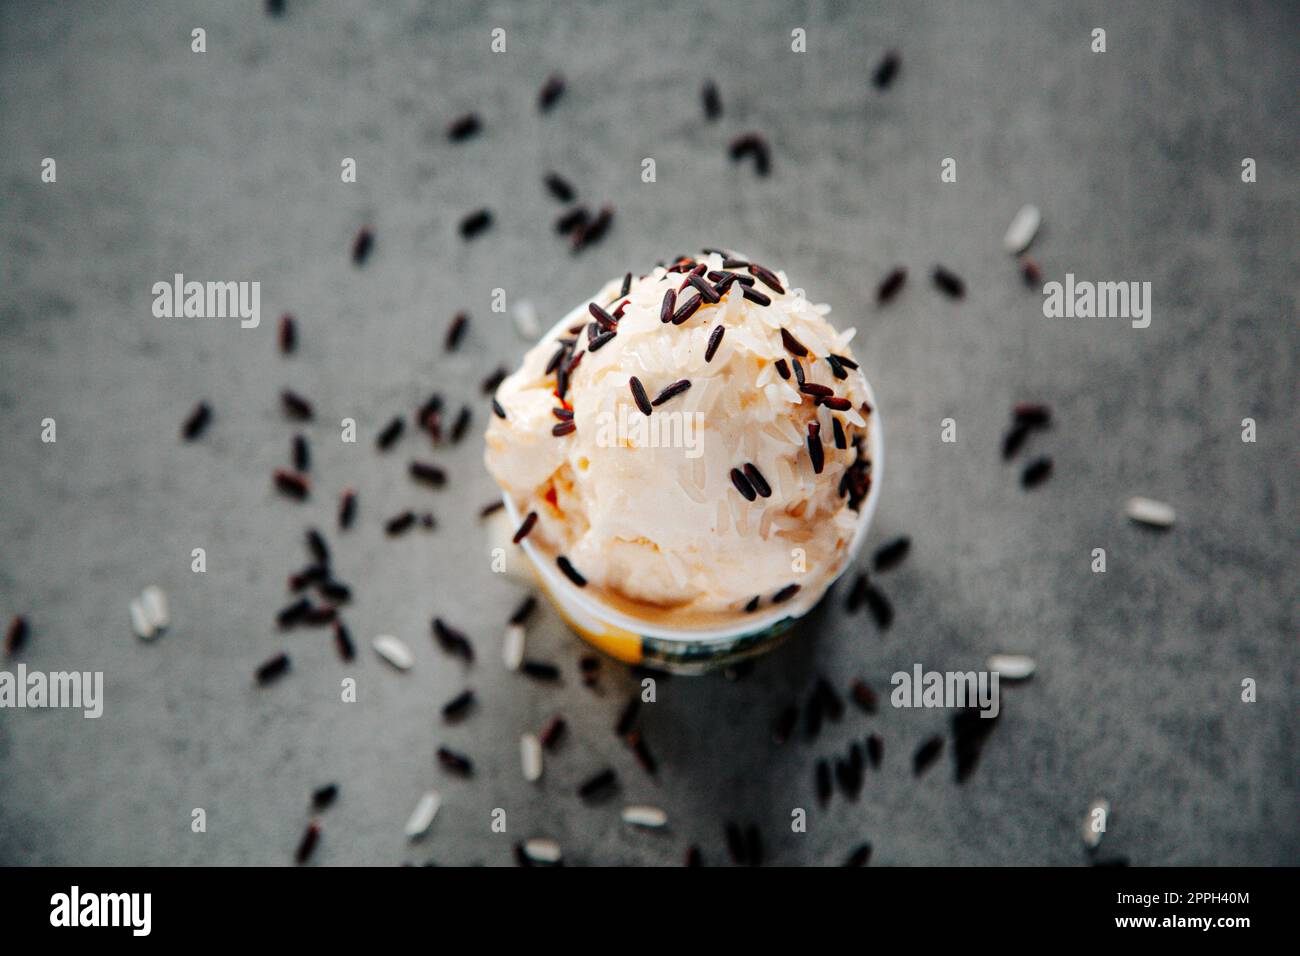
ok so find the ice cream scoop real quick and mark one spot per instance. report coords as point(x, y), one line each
point(689, 447)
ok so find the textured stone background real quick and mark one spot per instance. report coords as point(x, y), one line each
point(226, 166)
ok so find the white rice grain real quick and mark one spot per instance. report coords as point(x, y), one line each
point(1022, 230)
point(512, 648)
point(687, 484)
point(1150, 512)
point(526, 324)
point(154, 601)
point(542, 850)
point(530, 757)
point(643, 816)
point(394, 651)
point(422, 816)
point(140, 622)
point(1012, 667)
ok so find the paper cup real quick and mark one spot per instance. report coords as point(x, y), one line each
point(694, 650)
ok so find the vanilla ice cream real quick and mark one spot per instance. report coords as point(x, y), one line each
point(691, 442)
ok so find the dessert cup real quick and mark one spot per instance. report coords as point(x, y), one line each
point(689, 650)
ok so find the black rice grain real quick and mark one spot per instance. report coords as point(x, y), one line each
point(399, 523)
point(307, 845)
point(864, 697)
point(639, 395)
point(288, 334)
point(816, 454)
point(891, 555)
point(831, 703)
point(550, 92)
point(886, 70)
point(317, 546)
point(792, 344)
point(755, 145)
point(891, 285)
point(461, 424)
point(16, 635)
point(641, 751)
point(458, 706)
point(627, 719)
point(594, 230)
point(925, 755)
point(715, 339)
point(706, 291)
point(743, 484)
point(553, 732)
point(427, 473)
point(453, 641)
point(757, 481)
point(323, 797)
point(392, 431)
point(949, 283)
point(712, 101)
point(362, 245)
point(295, 406)
point(457, 763)
point(197, 421)
point(573, 221)
point(860, 856)
point(671, 392)
point(463, 127)
point(570, 571)
point(525, 527)
point(787, 592)
point(1036, 472)
point(524, 610)
point(669, 304)
point(343, 641)
point(559, 187)
point(875, 750)
point(292, 484)
point(970, 728)
point(881, 610)
point(475, 223)
point(823, 781)
point(686, 309)
point(301, 452)
point(273, 669)
point(347, 508)
point(456, 331)
point(599, 785)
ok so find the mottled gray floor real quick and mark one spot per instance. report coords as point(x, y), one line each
point(225, 165)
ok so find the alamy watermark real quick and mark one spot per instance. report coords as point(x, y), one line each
point(630, 428)
point(208, 300)
point(1102, 300)
point(75, 908)
point(946, 689)
point(83, 690)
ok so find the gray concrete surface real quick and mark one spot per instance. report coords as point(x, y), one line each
point(225, 165)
